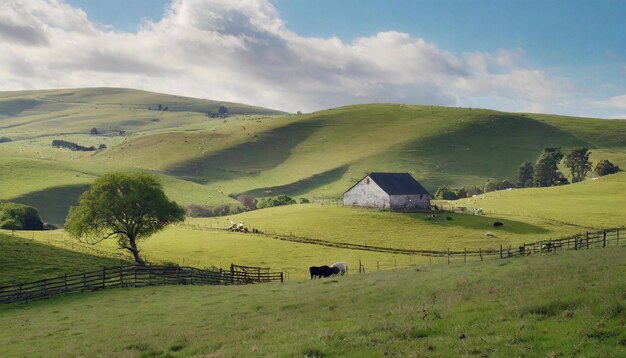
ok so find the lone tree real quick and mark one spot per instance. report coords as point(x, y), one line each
point(546, 171)
point(578, 163)
point(127, 207)
point(605, 167)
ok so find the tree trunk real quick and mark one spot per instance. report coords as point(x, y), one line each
point(133, 250)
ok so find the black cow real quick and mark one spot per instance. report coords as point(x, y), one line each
point(323, 271)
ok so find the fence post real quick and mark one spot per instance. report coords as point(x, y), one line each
point(232, 274)
point(103, 276)
point(448, 256)
point(617, 236)
point(587, 240)
point(281, 277)
point(480, 251)
point(465, 256)
point(84, 281)
point(65, 281)
point(500, 250)
point(604, 238)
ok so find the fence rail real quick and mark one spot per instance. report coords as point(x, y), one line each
point(135, 276)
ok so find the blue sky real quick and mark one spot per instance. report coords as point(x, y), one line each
point(564, 57)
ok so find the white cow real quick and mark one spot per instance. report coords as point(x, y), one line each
point(342, 266)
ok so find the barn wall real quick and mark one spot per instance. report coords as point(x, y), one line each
point(366, 194)
point(410, 202)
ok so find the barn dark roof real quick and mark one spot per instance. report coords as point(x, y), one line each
point(398, 183)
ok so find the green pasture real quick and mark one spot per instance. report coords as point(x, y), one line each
point(24, 260)
point(599, 203)
point(200, 247)
point(564, 305)
point(418, 231)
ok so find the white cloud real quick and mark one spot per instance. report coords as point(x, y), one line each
point(242, 51)
point(612, 102)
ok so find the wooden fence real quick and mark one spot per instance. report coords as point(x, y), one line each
point(135, 276)
point(585, 241)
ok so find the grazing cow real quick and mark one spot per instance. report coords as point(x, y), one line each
point(322, 271)
point(342, 266)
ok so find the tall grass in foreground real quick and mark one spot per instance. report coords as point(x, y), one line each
point(571, 304)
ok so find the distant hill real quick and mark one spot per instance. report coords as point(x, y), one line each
point(261, 152)
point(16, 103)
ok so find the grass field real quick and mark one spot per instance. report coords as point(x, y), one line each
point(528, 215)
point(571, 304)
point(24, 260)
point(597, 203)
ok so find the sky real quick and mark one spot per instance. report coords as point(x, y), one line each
point(548, 56)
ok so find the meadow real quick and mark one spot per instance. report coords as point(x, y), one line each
point(570, 304)
point(491, 308)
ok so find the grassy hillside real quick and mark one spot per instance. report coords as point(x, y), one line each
point(495, 308)
point(24, 260)
point(599, 203)
point(203, 160)
point(323, 153)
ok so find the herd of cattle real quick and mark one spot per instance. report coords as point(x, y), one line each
point(327, 271)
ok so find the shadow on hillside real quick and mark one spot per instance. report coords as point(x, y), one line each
point(264, 152)
point(301, 186)
point(53, 203)
point(14, 107)
point(493, 147)
point(28, 260)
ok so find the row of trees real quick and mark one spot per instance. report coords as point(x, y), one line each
point(544, 173)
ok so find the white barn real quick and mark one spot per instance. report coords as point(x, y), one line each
point(396, 191)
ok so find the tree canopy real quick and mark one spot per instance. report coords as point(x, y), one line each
point(577, 161)
point(445, 193)
point(546, 171)
point(605, 167)
point(15, 216)
point(124, 206)
point(525, 175)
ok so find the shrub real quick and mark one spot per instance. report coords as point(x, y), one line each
point(15, 216)
point(445, 193)
point(304, 201)
point(202, 211)
point(605, 167)
point(58, 143)
point(276, 201)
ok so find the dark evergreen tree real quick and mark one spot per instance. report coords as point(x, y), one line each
point(546, 172)
point(577, 161)
point(525, 175)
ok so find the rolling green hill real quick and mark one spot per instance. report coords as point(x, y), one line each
point(263, 153)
